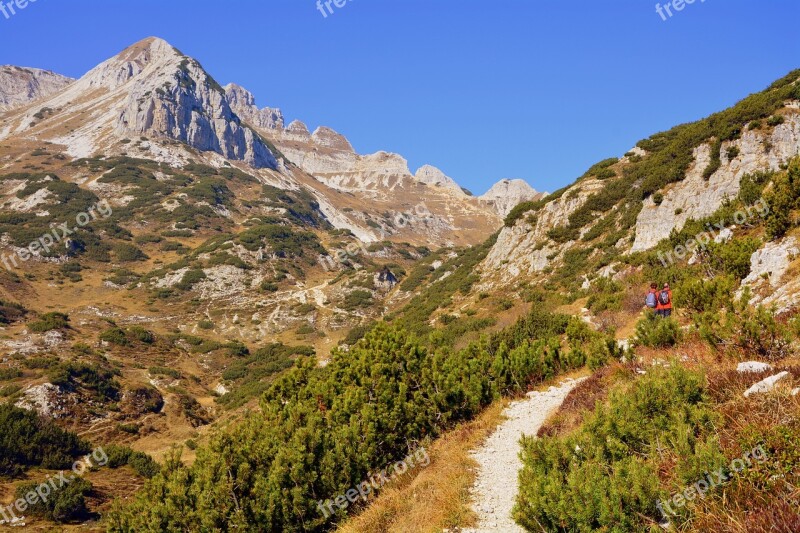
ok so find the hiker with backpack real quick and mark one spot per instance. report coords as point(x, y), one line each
point(651, 299)
point(664, 306)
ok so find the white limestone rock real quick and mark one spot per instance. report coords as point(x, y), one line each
point(243, 104)
point(766, 385)
point(149, 89)
point(20, 86)
point(752, 366)
point(327, 138)
point(434, 177)
point(697, 198)
point(507, 194)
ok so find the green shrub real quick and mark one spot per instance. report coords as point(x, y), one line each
point(782, 199)
point(700, 295)
point(11, 312)
point(657, 332)
point(7, 374)
point(605, 476)
point(141, 334)
point(563, 234)
point(357, 299)
point(746, 331)
point(752, 186)
point(269, 286)
point(733, 257)
point(66, 504)
point(115, 336)
point(49, 322)
point(28, 440)
point(775, 120)
point(91, 376)
point(190, 279)
point(128, 253)
point(658, 198)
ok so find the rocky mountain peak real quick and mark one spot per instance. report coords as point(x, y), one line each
point(296, 131)
point(152, 89)
point(434, 177)
point(21, 85)
point(329, 138)
point(149, 54)
point(506, 194)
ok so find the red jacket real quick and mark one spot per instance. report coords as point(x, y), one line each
point(658, 298)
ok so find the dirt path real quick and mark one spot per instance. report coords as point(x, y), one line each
point(495, 489)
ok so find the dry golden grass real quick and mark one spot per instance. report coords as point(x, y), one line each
point(438, 497)
point(582, 400)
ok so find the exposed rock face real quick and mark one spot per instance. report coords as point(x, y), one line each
point(150, 89)
point(436, 178)
point(524, 248)
point(752, 366)
point(327, 138)
point(771, 262)
point(186, 104)
point(505, 195)
point(696, 198)
point(20, 85)
point(243, 104)
point(297, 131)
point(769, 280)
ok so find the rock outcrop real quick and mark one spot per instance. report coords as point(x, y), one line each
point(434, 177)
point(505, 195)
point(20, 86)
point(243, 104)
point(696, 198)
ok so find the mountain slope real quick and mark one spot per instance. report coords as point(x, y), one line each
point(20, 85)
point(148, 89)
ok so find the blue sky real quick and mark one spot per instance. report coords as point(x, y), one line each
point(532, 89)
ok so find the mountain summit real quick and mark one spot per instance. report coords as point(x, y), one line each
point(149, 89)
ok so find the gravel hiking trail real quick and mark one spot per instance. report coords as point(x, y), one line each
point(495, 489)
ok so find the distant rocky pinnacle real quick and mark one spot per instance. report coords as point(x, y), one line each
point(330, 157)
point(505, 195)
point(436, 178)
point(21, 85)
point(243, 103)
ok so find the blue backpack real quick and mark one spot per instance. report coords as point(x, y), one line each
point(651, 300)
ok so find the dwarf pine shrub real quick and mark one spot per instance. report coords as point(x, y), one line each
point(605, 475)
point(657, 332)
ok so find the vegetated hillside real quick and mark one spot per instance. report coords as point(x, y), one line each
point(366, 409)
point(160, 271)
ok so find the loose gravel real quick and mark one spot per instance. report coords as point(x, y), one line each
point(496, 488)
